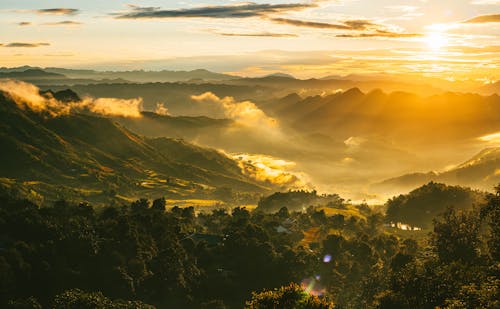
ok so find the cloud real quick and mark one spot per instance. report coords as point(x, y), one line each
point(345, 25)
point(27, 96)
point(24, 23)
point(130, 108)
point(245, 112)
point(376, 30)
point(57, 11)
point(161, 109)
point(23, 44)
point(485, 2)
point(490, 49)
point(259, 34)
point(482, 19)
point(243, 10)
point(354, 141)
point(64, 23)
point(380, 34)
point(273, 170)
point(491, 138)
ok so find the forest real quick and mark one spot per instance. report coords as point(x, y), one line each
point(147, 255)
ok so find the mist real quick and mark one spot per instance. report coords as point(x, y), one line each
point(28, 96)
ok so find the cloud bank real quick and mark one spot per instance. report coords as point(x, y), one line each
point(27, 96)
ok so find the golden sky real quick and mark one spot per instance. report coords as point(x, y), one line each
point(452, 39)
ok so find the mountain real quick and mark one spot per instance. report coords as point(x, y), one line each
point(279, 74)
point(31, 74)
point(185, 127)
point(481, 171)
point(85, 154)
point(40, 76)
point(489, 89)
point(66, 95)
point(398, 115)
point(142, 76)
point(175, 95)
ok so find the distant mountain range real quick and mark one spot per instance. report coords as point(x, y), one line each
point(398, 115)
point(74, 76)
point(281, 83)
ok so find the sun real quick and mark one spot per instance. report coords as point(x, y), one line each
point(436, 40)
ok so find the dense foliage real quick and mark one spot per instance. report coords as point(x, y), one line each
point(421, 205)
point(291, 296)
point(142, 255)
point(298, 200)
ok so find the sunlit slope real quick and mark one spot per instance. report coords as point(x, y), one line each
point(94, 152)
point(481, 171)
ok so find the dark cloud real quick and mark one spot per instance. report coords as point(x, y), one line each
point(223, 11)
point(57, 11)
point(64, 23)
point(379, 34)
point(344, 25)
point(259, 34)
point(482, 19)
point(21, 44)
point(24, 23)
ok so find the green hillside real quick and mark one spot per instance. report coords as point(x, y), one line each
point(87, 152)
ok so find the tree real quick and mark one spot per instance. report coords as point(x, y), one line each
point(78, 299)
point(456, 236)
point(291, 296)
point(140, 204)
point(491, 212)
point(159, 204)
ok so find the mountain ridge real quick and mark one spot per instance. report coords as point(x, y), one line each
point(89, 151)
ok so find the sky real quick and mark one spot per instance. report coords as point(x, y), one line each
point(452, 39)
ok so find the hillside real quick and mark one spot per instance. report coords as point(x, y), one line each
point(481, 171)
point(83, 152)
point(186, 127)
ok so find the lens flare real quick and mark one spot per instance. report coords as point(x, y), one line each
point(312, 286)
